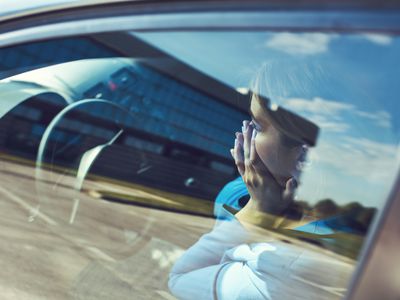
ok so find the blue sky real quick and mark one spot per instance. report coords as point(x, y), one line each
point(354, 100)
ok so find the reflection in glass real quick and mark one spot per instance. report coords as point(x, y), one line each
point(159, 168)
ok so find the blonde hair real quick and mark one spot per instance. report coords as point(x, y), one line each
point(281, 79)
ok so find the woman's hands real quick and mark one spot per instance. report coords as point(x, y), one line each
point(266, 195)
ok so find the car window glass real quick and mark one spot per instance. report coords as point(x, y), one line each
point(116, 164)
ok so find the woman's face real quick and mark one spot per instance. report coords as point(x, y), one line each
point(281, 160)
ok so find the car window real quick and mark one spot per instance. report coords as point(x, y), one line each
point(114, 164)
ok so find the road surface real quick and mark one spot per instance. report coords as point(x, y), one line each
point(59, 244)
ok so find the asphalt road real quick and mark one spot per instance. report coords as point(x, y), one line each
point(58, 244)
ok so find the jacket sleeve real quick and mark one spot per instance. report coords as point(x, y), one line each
point(195, 274)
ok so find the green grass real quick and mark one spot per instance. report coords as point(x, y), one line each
point(177, 203)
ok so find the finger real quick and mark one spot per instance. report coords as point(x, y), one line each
point(238, 155)
point(246, 140)
point(253, 153)
point(240, 138)
point(290, 189)
point(255, 159)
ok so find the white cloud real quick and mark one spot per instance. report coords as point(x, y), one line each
point(295, 43)
point(243, 90)
point(317, 106)
point(329, 125)
point(380, 39)
point(328, 114)
point(381, 118)
point(351, 168)
point(369, 160)
point(325, 113)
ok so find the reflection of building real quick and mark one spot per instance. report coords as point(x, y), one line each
point(182, 123)
point(169, 109)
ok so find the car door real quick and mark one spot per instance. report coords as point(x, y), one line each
point(117, 121)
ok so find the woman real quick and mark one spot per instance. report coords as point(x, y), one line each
point(237, 260)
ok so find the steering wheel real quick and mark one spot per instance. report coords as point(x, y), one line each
point(60, 184)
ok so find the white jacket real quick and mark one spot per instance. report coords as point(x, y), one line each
point(224, 265)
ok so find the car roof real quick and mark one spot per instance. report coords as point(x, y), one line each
point(11, 9)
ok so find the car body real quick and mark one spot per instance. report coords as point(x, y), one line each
point(115, 141)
